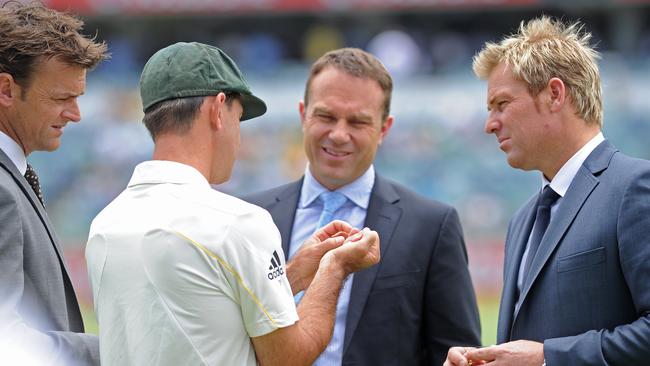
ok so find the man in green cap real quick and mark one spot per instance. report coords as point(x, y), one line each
point(185, 275)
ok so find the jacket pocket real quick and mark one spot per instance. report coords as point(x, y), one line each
point(582, 260)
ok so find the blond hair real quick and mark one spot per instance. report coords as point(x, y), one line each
point(546, 48)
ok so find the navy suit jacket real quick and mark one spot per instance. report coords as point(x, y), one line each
point(38, 306)
point(419, 300)
point(587, 296)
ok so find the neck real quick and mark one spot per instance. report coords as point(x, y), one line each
point(183, 149)
point(567, 146)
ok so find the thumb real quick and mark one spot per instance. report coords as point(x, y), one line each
point(332, 243)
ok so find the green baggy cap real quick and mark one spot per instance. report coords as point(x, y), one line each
point(194, 70)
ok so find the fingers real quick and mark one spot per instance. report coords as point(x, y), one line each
point(456, 356)
point(332, 229)
point(331, 243)
point(488, 354)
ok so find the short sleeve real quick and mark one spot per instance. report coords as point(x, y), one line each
point(255, 268)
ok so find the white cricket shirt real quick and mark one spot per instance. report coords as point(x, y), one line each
point(184, 275)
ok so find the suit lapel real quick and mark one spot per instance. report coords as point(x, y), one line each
point(286, 201)
point(518, 239)
point(382, 216)
point(31, 196)
point(74, 314)
point(579, 191)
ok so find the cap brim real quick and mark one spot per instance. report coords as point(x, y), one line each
point(253, 106)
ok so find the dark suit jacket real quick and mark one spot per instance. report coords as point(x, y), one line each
point(588, 293)
point(419, 300)
point(38, 306)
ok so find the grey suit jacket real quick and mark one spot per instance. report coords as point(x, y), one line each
point(587, 296)
point(39, 312)
point(419, 300)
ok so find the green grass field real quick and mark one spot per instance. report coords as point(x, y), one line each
point(488, 309)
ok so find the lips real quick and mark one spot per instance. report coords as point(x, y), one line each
point(335, 153)
point(503, 142)
point(58, 129)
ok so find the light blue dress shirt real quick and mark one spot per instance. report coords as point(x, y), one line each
point(307, 215)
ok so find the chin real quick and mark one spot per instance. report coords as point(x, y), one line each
point(51, 147)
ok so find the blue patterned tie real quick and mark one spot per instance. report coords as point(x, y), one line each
point(332, 201)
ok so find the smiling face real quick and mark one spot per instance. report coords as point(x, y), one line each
point(342, 126)
point(38, 112)
point(522, 124)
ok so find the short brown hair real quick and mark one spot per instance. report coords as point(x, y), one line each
point(545, 48)
point(31, 33)
point(177, 115)
point(358, 63)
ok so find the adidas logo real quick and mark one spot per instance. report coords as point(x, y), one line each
point(275, 267)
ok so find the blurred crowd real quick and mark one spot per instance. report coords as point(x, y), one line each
point(439, 149)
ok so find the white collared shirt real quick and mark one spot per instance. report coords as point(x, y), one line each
point(304, 225)
point(14, 152)
point(184, 275)
point(560, 184)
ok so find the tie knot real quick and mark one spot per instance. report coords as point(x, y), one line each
point(548, 197)
point(332, 201)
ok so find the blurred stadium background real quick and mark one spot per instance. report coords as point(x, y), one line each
point(437, 145)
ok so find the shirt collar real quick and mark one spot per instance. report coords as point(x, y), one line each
point(565, 175)
point(357, 191)
point(14, 152)
point(164, 171)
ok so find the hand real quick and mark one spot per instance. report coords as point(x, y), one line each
point(303, 265)
point(359, 251)
point(517, 353)
point(457, 357)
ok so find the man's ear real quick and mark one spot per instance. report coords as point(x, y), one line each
point(8, 89)
point(385, 127)
point(216, 105)
point(302, 109)
point(557, 93)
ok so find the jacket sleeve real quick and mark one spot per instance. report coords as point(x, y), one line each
point(450, 303)
point(20, 341)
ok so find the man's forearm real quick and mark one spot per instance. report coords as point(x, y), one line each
point(317, 309)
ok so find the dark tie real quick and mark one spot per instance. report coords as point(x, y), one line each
point(546, 200)
point(32, 179)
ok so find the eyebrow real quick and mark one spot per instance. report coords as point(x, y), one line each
point(321, 110)
point(498, 94)
point(356, 116)
point(66, 94)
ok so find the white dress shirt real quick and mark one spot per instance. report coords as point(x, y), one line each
point(14, 152)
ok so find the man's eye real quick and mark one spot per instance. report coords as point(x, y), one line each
point(324, 117)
